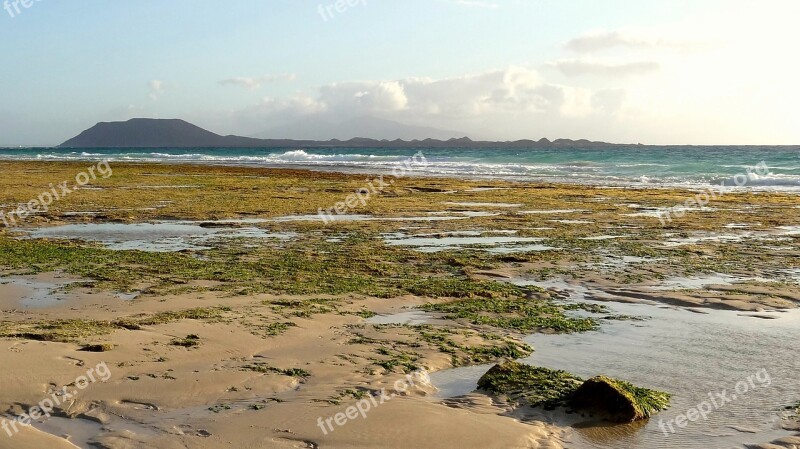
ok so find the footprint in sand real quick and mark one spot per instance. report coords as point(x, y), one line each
point(17, 347)
point(139, 405)
point(73, 360)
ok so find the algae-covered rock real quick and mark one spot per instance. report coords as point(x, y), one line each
point(605, 397)
point(540, 387)
point(617, 400)
point(101, 347)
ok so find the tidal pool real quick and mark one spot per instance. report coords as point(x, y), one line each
point(503, 244)
point(34, 292)
point(692, 356)
point(155, 237)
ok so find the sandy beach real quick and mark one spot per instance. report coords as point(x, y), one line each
point(228, 314)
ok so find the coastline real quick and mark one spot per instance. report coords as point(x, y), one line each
point(261, 330)
point(656, 168)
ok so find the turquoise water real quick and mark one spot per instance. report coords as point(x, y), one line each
point(690, 166)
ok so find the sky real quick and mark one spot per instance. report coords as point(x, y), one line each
point(644, 71)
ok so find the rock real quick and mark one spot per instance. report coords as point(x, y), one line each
point(102, 347)
point(604, 397)
point(788, 442)
point(539, 387)
point(619, 401)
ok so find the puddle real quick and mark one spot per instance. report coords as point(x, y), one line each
point(467, 213)
point(486, 189)
point(572, 221)
point(737, 226)
point(332, 217)
point(42, 290)
point(708, 238)
point(616, 262)
point(698, 282)
point(34, 292)
point(497, 244)
point(793, 274)
point(413, 317)
point(452, 383)
point(688, 354)
point(551, 212)
point(234, 221)
point(471, 204)
point(79, 432)
point(80, 214)
point(449, 216)
point(162, 187)
point(789, 230)
point(667, 212)
point(155, 237)
point(520, 249)
point(127, 296)
point(603, 237)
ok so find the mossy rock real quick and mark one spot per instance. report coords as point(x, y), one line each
point(540, 387)
point(100, 347)
point(190, 341)
point(608, 398)
point(617, 400)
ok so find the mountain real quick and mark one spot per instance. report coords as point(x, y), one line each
point(365, 127)
point(152, 133)
point(159, 133)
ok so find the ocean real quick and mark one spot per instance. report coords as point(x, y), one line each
point(695, 167)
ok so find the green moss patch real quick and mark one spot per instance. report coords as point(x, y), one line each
point(266, 369)
point(516, 313)
point(191, 341)
point(67, 331)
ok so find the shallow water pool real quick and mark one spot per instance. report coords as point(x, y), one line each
point(691, 355)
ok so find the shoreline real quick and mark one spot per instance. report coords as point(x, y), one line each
point(383, 165)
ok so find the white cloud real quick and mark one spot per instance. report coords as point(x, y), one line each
point(296, 105)
point(516, 89)
point(254, 83)
point(515, 100)
point(365, 97)
point(577, 67)
point(156, 88)
point(602, 40)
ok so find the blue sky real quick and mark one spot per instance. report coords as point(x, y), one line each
point(676, 71)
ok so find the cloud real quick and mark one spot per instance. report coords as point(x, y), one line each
point(574, 67)
point(365, 97)
point(254, 83)
point(602, 40)
point(156, 88)
point(293, 106)
point(513, 92)
point(664, 38)
point(463, 96)
point(608, 100)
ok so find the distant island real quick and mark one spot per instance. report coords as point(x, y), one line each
point(176, 133)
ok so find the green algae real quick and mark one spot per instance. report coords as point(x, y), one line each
point(516, 313)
